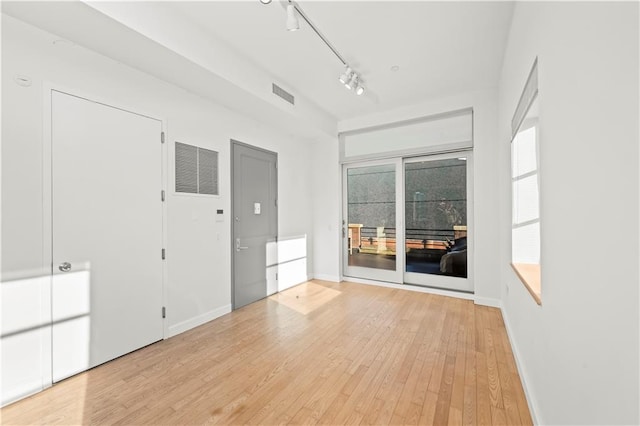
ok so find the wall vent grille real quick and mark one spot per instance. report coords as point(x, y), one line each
point(279, 91)
point(196, 170)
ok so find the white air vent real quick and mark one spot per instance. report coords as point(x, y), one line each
point(196, 170)
point(186, 168)
point(207, 172)
point(279, 91)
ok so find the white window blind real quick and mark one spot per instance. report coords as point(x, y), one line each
point(438, 133)
point(525, 185)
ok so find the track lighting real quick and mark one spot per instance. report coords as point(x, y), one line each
point(344, 78)
point(292, 19)
point(352, 83)
point(350, 78)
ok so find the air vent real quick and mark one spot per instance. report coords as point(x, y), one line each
point(186, 168)
point(279, 91)
point(196, 170)
point(207, 172)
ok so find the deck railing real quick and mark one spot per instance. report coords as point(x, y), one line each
point(425, 238)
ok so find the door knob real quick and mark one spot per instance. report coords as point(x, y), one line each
point(238, 248)
point(65, 267)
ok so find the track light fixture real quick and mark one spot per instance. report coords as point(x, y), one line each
point(344, 78)
point(351, 81)
point(350, 78)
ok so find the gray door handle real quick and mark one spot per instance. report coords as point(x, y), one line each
point(65, 267)
point(238, 248)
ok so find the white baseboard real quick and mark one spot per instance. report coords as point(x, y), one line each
point(183, 326)
point(21, 395)
point(487, 301)
point(409, 287)
point(533, 408)
point(324, 277)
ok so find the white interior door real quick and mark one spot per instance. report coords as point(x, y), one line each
point(107, 233)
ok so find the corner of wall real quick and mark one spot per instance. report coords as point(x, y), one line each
point(526, 383)
point(183, 326)
point(326, 277)
point(487, 301)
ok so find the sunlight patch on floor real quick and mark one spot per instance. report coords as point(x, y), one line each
point(305, 298)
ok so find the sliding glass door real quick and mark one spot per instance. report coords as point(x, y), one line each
point(436, 215)
point(408, 221)
point(370, 221)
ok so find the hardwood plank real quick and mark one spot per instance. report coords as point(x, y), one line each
point(319, 353)
point(470, 373)
point(483, 404)
point(495, 391)
point(428, 414)
point(444, 395)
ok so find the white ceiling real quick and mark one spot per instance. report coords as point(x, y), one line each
point(231, 51)
point(442, 48)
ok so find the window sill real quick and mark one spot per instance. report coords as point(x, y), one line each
point(529, 274)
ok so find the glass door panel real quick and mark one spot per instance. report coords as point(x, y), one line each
point(436, 225)
point(370, 222)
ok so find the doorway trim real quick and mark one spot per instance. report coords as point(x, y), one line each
point(388, 276)
point(47, 179)
point(400, 223)
point(234, 143)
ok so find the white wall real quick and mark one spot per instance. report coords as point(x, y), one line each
point(327, 199)
point(578, 351)
point(159, 22)
point(198, 247)
point(485, 175)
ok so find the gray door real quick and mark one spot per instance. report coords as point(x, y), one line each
point(255, 222)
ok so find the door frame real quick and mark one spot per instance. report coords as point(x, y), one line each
point(371, 273)
point(47, 179)
point(232, 217)
point(441, 281)
point(398, 276)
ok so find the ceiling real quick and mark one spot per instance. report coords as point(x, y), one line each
point(231, 51)
point(441, 48)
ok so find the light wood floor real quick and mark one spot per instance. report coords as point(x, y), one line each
point(318, 353)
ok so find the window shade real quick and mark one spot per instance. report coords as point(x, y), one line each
point(528, 95)
point(443, 132)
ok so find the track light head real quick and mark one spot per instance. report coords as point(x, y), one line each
point(344, 78)
point(359, 89)
point(292, 18)
point(353, 82)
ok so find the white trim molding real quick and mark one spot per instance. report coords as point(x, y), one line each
point(524, 378)
point(325, 277)
point(487, 301)
point(183, 326)
point(411, 287)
